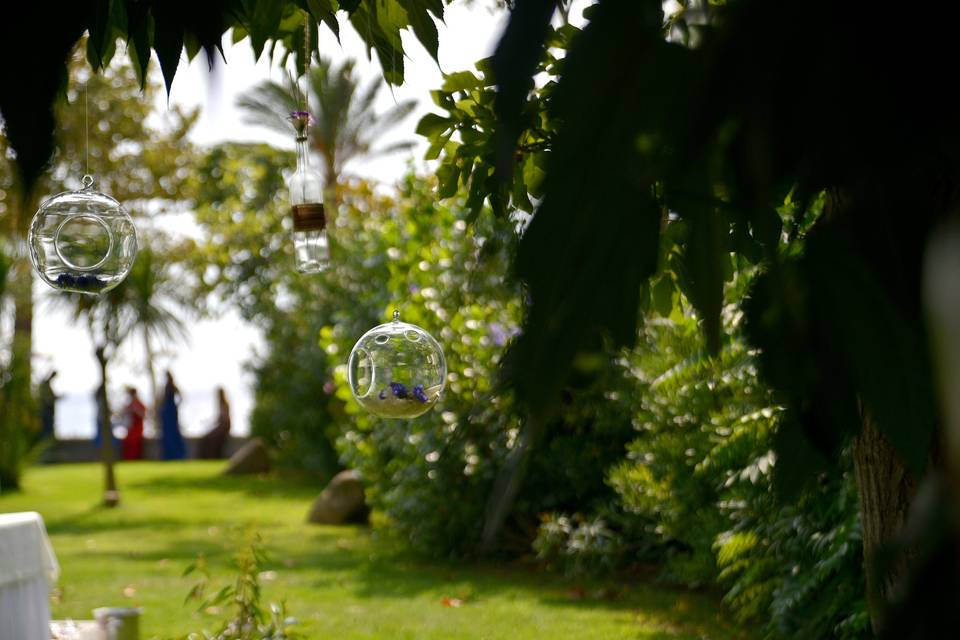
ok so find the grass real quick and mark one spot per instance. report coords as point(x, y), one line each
point(340, 582)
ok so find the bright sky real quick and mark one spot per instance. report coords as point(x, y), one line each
point(218, 349)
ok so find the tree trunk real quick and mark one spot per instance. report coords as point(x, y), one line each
point(21, 356)
point(331, 179)
point(507, 485)
point(21, 421)
point(154, 390)
point(886, 491)
point(111, 496)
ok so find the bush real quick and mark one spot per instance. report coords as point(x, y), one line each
point(432, 476)
point(295, 410)
point(242, 599)
point(660, 453)
point(577, 546)
point(699, 479)
point(429, 476)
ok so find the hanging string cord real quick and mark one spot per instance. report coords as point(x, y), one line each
point(306, 61)
point(306, 43)
point(86, 130)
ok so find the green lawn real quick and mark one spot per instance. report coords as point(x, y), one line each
point(340, 582)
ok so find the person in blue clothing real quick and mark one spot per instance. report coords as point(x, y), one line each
point(174, 448)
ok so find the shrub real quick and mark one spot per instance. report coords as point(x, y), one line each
point(432, 476)
point(578, 546)
point(698, 477)
point(246, 617)
point(295, 410)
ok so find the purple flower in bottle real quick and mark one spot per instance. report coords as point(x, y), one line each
point(300, 121)
point(399, 390)
point(420, 394)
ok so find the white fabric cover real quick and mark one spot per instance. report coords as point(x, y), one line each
point(28, 568)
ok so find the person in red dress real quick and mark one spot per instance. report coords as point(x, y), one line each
point(134, 412)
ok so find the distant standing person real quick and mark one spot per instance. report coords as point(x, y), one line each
point(48, 406)
point(174, 447)
point(213, 443)
point(134, 413)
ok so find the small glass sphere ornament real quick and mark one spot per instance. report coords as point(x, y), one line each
point(397, 370)
point(82, 241)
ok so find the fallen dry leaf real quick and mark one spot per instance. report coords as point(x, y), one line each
point(454, 603)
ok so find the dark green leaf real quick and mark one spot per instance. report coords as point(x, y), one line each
point(192, 45)
point(423, 26)
point(438, 144)
point(448, 175)
point(460, 81)
point(99, 32)
point(263, 22)
point(595, 237)
point(661, 295)
point(513, 66)
point(324, 12)
point(478, 188)
point(167, 42)
point(379, 28)
point(139, 32)
point(432, 125)
point(533, 173)
point(441, 99)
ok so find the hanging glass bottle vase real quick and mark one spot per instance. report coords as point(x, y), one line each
point(310, 244)
point(397, 370)
point(82, 241)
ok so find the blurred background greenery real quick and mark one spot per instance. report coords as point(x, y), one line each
point(677, 342)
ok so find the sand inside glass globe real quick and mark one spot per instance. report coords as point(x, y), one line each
point(82, 241)
point(397, 370)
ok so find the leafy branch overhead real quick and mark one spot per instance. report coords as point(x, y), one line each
point(166, 28)
point(668, 150)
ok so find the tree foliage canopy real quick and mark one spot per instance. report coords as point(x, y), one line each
point(166, 28)
point(669, 144)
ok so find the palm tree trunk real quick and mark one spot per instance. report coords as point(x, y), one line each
point(154, 390)
point(19, 416)
point(331, 178)
point(111, 496)
point(21, 420)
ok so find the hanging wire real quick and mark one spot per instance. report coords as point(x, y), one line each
point(303, 102)
point(86, 141)
point(306, 44)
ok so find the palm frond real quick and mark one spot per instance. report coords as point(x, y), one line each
point(346, 125)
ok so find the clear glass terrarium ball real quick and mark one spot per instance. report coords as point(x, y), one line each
point(397, 370)
point(82, 241)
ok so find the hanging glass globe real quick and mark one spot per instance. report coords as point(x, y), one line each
point(82, 241)
point(397, 370)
